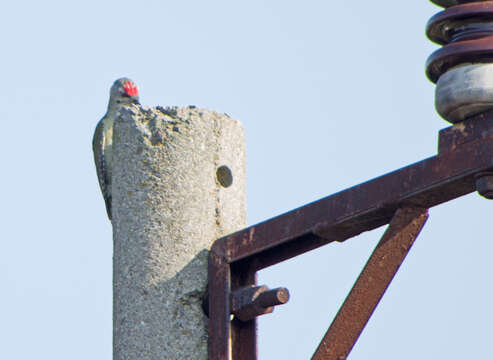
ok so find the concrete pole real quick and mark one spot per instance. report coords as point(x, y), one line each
point(178, 184)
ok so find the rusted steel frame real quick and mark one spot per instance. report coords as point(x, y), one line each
point(371, 284)
point(219, 318)
point(465, 150)
point(364, 207)
point(243, 333)
point(479, 127)
point(228, 338)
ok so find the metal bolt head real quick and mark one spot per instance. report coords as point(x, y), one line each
point(484, 185)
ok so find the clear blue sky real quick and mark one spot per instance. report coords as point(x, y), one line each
point(331, 94)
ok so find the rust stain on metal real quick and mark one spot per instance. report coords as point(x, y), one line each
point(478, 127)
point(464, 163)
point(243, 333)
point(367, 206)
point(219, 321)
point(371, 284)
point(249, 238)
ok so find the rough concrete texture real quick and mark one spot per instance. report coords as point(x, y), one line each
point(168, 208)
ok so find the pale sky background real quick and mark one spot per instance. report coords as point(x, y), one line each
point(331, 94)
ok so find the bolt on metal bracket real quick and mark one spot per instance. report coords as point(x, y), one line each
point(463, 165)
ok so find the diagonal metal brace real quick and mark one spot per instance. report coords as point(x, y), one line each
point(463, 164)
point(371, 284)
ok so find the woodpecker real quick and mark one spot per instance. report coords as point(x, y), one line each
point(123, 92)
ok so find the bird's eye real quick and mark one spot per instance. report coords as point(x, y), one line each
point(123, 92)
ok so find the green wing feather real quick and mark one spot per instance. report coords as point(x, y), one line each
point(98, 150)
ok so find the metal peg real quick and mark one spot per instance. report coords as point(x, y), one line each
point(249, 302)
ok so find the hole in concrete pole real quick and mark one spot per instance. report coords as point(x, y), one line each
point(224, 176)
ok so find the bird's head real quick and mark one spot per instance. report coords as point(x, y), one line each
point(124, 91)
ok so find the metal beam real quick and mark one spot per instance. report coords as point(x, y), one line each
point(363, 207)
point(371, 284)
point(219, 318)
point(464, 161)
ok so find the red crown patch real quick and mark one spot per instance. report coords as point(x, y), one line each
point(130, 88)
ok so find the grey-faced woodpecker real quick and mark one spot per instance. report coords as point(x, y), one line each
point(123, 92)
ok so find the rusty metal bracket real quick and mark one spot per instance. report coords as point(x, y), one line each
point(371, 284)
point(463, 165)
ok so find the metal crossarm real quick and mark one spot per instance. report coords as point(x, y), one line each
point(463, 165)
